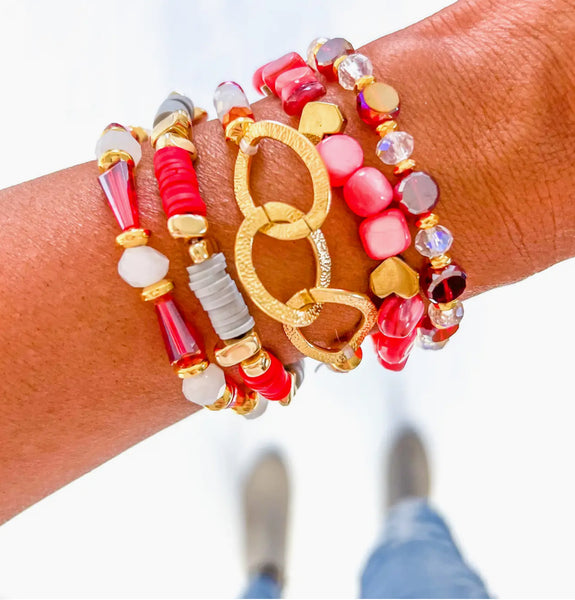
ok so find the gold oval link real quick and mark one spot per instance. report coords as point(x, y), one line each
point(309, 155)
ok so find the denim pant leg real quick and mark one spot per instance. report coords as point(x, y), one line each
point(417, 558)
point(263, 585)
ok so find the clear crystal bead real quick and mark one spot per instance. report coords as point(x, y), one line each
point(310, 53)
point(352, 68)
point(434, 241)
point(445, 318)
point(229, 95)
point(424, 341)
point(395, 147)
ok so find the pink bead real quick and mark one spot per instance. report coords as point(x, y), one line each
point(398, 317)
point(342, 156)
point(258, 80)
point(394, 351)
point(272, 71)
point(296, 88)
point(367, 192)
point(385, 234)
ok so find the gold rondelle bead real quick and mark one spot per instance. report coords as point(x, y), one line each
point(199, 115)
point(248, 405)
point(386, 127)
point(293, 389)
point(363, 82)
point(448, 305)
point(223, 401)
point(237, 350)
point(187, 226)
point(160, 288)
point(257, 365)
point(201, 249)
point(337, 62)
point(131, 238)
point(177, 122)
point(183, 372)
point(428, 222)
point(237, 128)
point(349, 364)
point(172, 140)
point(111, 157)
point(404, 166)
point(440, 261)
point(140, 134)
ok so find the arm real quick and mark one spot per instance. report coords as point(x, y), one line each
point(487, 93)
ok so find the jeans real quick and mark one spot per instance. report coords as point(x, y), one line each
point(416, 558)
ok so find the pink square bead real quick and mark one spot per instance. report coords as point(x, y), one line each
point(367, 192)
point(342, 156)
point(385, 234)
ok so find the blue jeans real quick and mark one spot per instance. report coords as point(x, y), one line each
point(416, 558)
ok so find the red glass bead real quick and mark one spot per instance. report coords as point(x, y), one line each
point(367, 192)
point(274, 384)
point(443, 285)
point(258, 80)
point(296, 88)
point(342, 156)
point(398, 367)
point(385, 234)
point(376, 103)
point(328, 53)
point(179, 336)
point(417, 193)
point(435, 333)
point(272, 70)
point(398, 317)
point(118, 185)
point(394, 351)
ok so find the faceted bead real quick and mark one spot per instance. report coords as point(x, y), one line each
point(118, 185)
point(443, 285)
point(443, 319)
point(367, 192)
point(435, 334)
point(394, 351)
point(433, 241)
point(297, 87)
point(141, 266)
point(206, 387)
point(398, 317)
point(385, 234)
point(342, 156)
point(229, 95)
point(117, 137)
point(377, 102)
point(425, 341)
point(394, 147)
point(417, 193)
point(352, 68)
point(328, 53)
point(312, 49)
point(274, 69)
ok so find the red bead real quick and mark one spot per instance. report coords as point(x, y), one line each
point(272, 70)
point(296, 88)
point(118, 185)
point(372, 109)
point(258, 80)
point(398, 317)
point(367, 192)
point(179, 336)
point(398, 367)
point(417, 193)
point(274, 384)
point(342, 157)
point(328, 53)
point(385, 234)
point(434, 333)
point(443, 285)
point(394, 351)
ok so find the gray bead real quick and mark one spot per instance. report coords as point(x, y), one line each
point(173, 103)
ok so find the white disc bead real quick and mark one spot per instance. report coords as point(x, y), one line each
point(141, 266)
point(119, 139)
point(206, 387)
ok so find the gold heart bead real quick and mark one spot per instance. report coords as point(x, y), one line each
point(394, 276)
point(319, 119)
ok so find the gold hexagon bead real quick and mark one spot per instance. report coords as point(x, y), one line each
point(257, 365)
point(235, 351)
point(183, 372)
point(172, 140)
point(431, 220)
point(109, 158)
point(223, 401)
point(154, 291)
point(394, 276)
point(440, 261)
point(404, 166)
point(386, 127)
point(363, 82)
point(200, 250)
point(249, 403)
point(140, 134)
point(177, 122)
point(133, 237)
point(236, 129)
point(187, 226)
point(319, 119)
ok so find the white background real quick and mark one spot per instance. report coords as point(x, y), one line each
point(163, 519)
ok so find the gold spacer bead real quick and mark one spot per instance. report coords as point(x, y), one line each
point(363, 82)
point(338, 62)
point(200, 367)
point(440, 261)
point(140, 134)
point(405, 166)
point(177, 122)
point(386, 127)
point(237, 128)
point(160, 288)
point(448, 305)
point(111, 157)
point(287, 400)
point(199, 115)
point(172, 140)
point(428, 222)
point(249, 403)
point(223, 401)
point(235, 351)
point(187, 226)
point(201, 249)
point(257, 365)
point(131, 238)
point(349, 364)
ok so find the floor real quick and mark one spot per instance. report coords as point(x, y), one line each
point(163, 519)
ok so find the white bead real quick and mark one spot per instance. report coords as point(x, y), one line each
point(259, 410)
point(229, 95)
point(119, 139)
point(445, 318)
point(142, 266)
point(394, 147)
point(352, 68)
point(206, 387)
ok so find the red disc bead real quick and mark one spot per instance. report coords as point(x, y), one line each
point(274, 384)
point(443, 285)
point(398, 317)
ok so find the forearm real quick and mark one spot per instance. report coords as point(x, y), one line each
point(83, 371)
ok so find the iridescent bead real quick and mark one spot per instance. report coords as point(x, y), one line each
point(377, 102)
point(443, 285)
point(314, 46)
point(398, 317)
point(443, 319)
point(352, 68)
point(328, 53)
point(394, 147)
point(434, 241)
point(433, 333)
point(230, 95)
point(385, 234)
point(417, 193)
